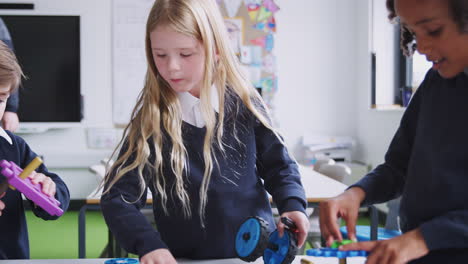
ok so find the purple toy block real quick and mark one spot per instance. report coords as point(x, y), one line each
point(32, 191)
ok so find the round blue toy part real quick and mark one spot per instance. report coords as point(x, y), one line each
point(363, 233)
point(280, 250)
point(122, 261)
point(335, 253)
point(251, 239)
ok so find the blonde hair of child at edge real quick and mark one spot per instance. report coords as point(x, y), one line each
point(158, 107)
point(10, 71)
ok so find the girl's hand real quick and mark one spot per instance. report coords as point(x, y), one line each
point(2, 204)
point(48, 185)
point(158, 256)
point(346, 206)
point(302, 223)
point(398, 250)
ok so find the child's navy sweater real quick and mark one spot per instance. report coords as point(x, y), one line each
point(14, 243)
point(250, 167)
point(427, 163)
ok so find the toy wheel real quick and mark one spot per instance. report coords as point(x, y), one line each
point(251, 239)
point(281, 250)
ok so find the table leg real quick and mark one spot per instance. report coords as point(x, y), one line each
point(82, 232)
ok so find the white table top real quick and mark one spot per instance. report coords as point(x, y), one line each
point(297, 260)
point(317, 186)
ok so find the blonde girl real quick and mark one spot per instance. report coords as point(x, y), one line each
point(201, 140)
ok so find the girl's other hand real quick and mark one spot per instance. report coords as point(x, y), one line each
point(158, 256)
point(48, 185)
point(302, 223)
point(346, 206)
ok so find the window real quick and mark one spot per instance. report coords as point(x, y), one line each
point(394, 77)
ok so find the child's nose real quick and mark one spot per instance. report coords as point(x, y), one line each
point(423, 46)
point(174, 64)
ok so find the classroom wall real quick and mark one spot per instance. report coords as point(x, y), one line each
point(321, 49)
point(315, 46)
point(375, 128)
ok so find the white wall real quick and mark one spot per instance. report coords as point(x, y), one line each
point(323, 50)
point(315, 49)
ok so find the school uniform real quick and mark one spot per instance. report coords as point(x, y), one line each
point(14, 243)
point(254, 162)
point(427, 164)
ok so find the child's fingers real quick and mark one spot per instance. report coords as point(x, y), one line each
point(3, 194)
point(2, 206)
point(48, 185)
point(367, 246)
point(280, 227)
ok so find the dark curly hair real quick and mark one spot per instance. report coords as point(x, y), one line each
point(458, 10)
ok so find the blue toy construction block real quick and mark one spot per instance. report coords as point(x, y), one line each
point(363, 233)
point(336, 253)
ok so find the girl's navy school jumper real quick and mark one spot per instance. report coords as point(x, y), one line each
point(252, 165)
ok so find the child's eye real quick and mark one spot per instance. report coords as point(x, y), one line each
point(160, 55)
point(186, 55)
point(435, 33)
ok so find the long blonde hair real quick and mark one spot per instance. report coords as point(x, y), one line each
point(158, 108)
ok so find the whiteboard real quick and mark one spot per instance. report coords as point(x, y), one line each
point(128, 55)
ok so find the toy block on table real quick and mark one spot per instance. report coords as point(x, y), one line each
point(336, 253)
point(17, 179)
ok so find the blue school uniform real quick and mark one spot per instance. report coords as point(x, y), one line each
point(427, 164)
point(14, 243)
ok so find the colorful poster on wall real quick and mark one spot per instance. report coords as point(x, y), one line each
point(252, 27)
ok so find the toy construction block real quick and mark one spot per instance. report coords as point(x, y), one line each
point(336, 253)
point(18, 178)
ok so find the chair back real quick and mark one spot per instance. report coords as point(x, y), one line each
point(321, 162)
point(335, 171)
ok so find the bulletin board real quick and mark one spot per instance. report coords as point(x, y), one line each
point(251, 25)
point(252, 28)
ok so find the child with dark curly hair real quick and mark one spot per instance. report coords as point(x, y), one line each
point(427, 162)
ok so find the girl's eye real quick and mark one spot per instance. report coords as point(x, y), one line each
point(160, 55)
point(185, 55)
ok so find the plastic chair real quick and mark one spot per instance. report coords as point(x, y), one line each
point(321, 162)
point(391, 229)
point(336, 171)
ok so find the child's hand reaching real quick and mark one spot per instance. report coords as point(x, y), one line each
point(48, 185)
point(2, 204)
point(158, 256)
point(301, 222)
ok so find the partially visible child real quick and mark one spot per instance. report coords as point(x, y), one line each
point(14, 243)
point(10, 120)
point(201, 140)
point(427, 161)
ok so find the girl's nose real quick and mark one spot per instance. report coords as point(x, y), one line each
point(174, 64)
